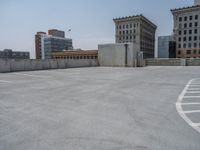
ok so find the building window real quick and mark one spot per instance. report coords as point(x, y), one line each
point(188, 51)
point(185, 18)
point(184, 39)
point(179, 52)
point(196, 24)
point(190, 25)
point(185, 32)
point(127, 26)
point(127, 32)
point(180, 19)
point(195, 31)
point(196, 17)
point(190, 17)
point(184, 45)
point(190, 38)
point(190, 31)
point(195, 38)
point(189, 45)
point(195, 45)
point(120, 27)
point(179, 39)
point(180, 33)
point(195, 52)
point(185, 25)
point(179, 45)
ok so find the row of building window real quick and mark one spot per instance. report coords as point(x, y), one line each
point(189, 45)
point(186, 18)
point(127, 38)
point(187, 32)
point(75, 57)
point(189, 52)
point(190, 38)
point(127, 32)
point(186, 25)
point(127, 26)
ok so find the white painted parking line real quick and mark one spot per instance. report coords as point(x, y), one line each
point(193, 92)
point(31, 75)
point(5, 81)
point(180, 109)
point(193, 89)
point(191, 111)
point(195, 124)
point(188, 104)
point(187, 97)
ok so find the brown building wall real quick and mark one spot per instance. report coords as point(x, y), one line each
point(92, 54)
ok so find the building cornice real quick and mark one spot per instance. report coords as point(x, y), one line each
point(185, 9)
point(129, 18)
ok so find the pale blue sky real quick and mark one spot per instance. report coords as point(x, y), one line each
point(90, 20)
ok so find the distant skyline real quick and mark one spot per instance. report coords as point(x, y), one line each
point(90, 21)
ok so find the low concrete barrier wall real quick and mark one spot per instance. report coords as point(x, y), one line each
point(4, 66)
point(193, 62)
point(172, 62)
point(163, 62)
point(12, 65)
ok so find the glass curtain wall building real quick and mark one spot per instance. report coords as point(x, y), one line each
point(51, 44)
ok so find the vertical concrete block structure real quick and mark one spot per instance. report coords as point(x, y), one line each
point(121, 54)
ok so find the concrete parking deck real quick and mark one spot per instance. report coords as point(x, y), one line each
point(98, 109)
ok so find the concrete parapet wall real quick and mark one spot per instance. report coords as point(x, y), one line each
point(193, 62)
point(36, 64)
point(12, 65)
point(16, 65)
point(172, 62)
point(163, 62)
point(4, 66)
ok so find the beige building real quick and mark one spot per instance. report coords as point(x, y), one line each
point(187, 31)
point(138, 30)
point(76, 54)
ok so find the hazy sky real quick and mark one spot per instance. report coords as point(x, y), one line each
point(90, 20)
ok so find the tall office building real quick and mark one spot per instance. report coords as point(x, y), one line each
point(166, 47)
point(138, 30)
point(51, 44)
point(187, 31)
point(54, 41)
